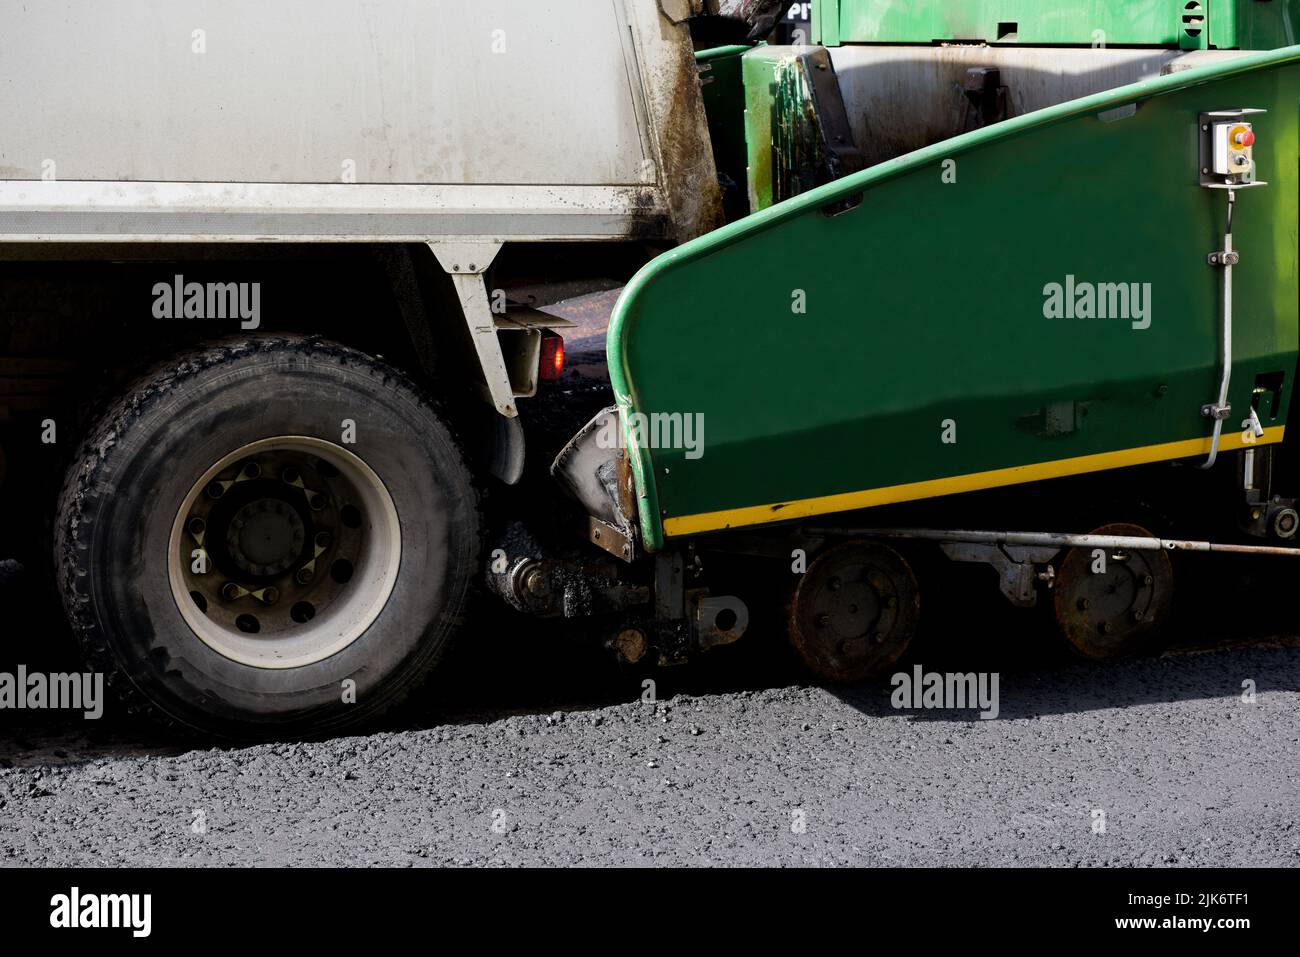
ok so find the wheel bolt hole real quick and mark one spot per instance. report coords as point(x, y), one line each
point(248, 624)
point(302, 612)
point(341, 571)
point(200, 602)
point(351, 516)
point(214, 490)
point(251, 470)
point(290, 474)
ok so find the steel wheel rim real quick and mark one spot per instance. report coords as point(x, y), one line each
point(1119, 613)
point(854, 611)
point(284, 552)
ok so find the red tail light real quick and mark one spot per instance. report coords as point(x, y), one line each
point(552, 357)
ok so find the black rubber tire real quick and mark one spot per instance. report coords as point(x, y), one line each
point(143, 455)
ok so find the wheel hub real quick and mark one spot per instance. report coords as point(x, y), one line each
point(854, 611)
point(284, 552)
point(265, 537)
point(1111, 602)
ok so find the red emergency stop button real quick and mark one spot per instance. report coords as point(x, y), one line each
point(1245, 138)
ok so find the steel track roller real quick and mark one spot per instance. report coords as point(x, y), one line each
point(854, 611)
point(1112, 603)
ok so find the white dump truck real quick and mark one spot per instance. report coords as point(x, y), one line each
point(214, 217)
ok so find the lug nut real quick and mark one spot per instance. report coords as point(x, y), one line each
point(197, 527)
point(323, 539)
point(304, 575)
point(215, 490)
point(1138, 616)
point(1148, 580)
point(270, 595)
point(230, 591)
point(316, 501)
point(823, 621)
point(833, 584)
point(1083, 604)
point(535, 582)
point(290, 474)
point(251, 470)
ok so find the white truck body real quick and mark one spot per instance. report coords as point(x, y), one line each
point(350, 120)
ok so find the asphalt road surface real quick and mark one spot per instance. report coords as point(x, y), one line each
point(557, 759)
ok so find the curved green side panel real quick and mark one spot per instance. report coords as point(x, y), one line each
point(925, 313)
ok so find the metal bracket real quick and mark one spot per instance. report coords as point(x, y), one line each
point(606, 536)
point(1018, 569)
point(672, 618)
point(1212, 410)
point(1224, 258)
point(986, 98)
point(717, 619)
point(466, 264)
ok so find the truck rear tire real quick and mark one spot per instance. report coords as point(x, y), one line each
point(268, 537)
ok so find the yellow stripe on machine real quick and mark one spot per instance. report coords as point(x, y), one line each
point(932, 488)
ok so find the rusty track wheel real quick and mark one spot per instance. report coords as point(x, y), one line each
point(854, 611)
point(1112, 603)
